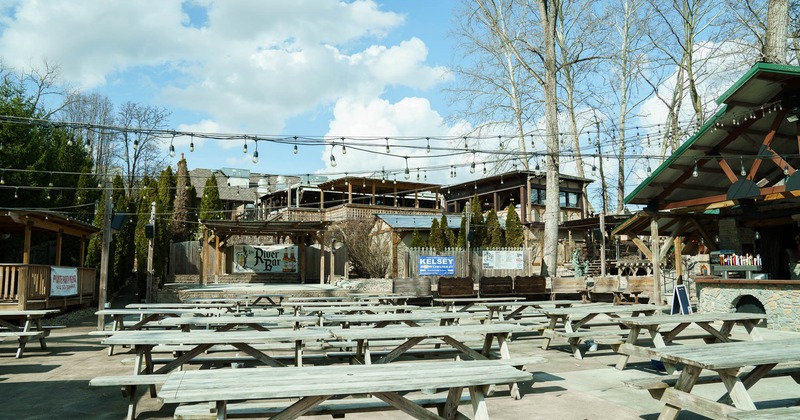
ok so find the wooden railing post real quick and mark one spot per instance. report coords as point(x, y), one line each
point(23, 279)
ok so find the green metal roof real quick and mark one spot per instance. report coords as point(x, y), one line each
point(749, 102)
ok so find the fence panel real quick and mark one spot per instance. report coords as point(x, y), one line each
point(475, 260)
point(184, 257)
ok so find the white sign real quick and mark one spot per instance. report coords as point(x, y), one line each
point(503, 260)
point(265, 259)
point(63, 281)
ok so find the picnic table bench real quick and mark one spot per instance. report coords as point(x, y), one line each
point(227, 323)
point(30, 329)
point(386, 382)
point(408, 318)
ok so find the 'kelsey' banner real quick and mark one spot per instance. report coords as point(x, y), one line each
point(63, 281)
point(436, 266)
point(503, 260)
point(265, 259)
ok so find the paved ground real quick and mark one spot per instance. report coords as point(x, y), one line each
point(54, 383)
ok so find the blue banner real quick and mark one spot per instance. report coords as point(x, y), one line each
point(435, 265)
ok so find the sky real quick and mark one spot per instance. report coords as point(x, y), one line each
point(267, 68)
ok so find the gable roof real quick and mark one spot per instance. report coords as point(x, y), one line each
point(749, 131)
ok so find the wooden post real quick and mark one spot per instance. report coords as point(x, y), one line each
point(349, 193)
point(204, 257)
point(104, 257)
point(302, 259)
point(216, 254)
point(656, 251)
point(82, 257)
point(603, 245)
point(678, 243)
point(24, 278)
point(59, 239)
point(322, 257)
point(372, 199)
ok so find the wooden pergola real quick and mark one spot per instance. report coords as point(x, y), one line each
point(373, 188)
point(742, 163)
point(217, 232)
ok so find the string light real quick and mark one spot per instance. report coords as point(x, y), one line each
point(244, 148)
point(191, 143)
point(135, 144)
point(407, 174)
point(694, 172)
point(428, 148)
point(417, 174)
point(3, 178)
point(484, 168)
point(472, 166)
point(344, 148)
point(426, 175)
point(743, 172)
point(255, 153)
point(70, 141)
point(346, 181)
point(387, 145)
point(16, 192)
point(171, 147)
point(295, 144)
point(333, 159)
point(786, 170)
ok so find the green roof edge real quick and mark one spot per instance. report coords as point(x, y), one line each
point(758, 67)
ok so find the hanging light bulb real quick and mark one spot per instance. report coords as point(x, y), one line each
point(476, 185)
point(171, 151)
point(333, 160)
point(16, 190)
point(694, 172)
point(3, 178)
point(87, 147)
point(426, 175)
point(743, 172)
point(757, 236)
point(429, 144)
point(191, 143)
point(344, 148)
point(244, 148)
point(407, 174)
point(472, 166)
point(594, 170)
point(135, 144)
point(454, 171)
point(786, 169)
point(48, 194)
point(363, 183)
point(255, 154)
point(346, 182)
point(295, 144)
point(501, 179)
point(417, 174)
point(70, 141)
point(484, 168)
point(466, 145)
point(387, 145)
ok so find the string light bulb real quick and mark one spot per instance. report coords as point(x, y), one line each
point(244, 148)
point(743, 172)
point(786, 169)
point(333, 159)
point(407, 174)
point(171, 147)
point(428, 148)
point(344, 148)
point(295, 144)
point(191, 143)
point(472, 165)
point(135, 144)
point(387, 145)
point(3, 178)
point(695, 174)
point(255, 153)
point(16, 192)
point(71, 141)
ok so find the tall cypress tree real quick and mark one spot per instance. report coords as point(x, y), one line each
point(210, 204)
point(180, 217)
point(449, 238)
point(514, 229)
point(461, 242)
point(494, 234)
point(163, 231)
point(477, 224)
point(435, 239)
point(417, 241)
point(147, 195)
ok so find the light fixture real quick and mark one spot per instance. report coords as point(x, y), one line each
point(191, 143)
point(295, 144)
point(472, 166)
point(333, 160)
point(743, 172)
point(476, 186)
point(794, 115)
point(484, 168)
point(501, 179)
point(171, 147)
point(135, 144)
point(3, 178)
point(417, 174)
point(786, 169)
point(387, 145)
point(48, 194)
point(16, 191)
point(429, 144)
point(466, 145)
point(716, 238)
point(344, 148)
point(407, 174)
point(244, 148)
point(87, 147)
point(255, 153)
point(426, 175)
point(694, 172)
point(757, 236)
point(71, 141)
point(346, 182)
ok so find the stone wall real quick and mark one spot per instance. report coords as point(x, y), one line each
point(780, 299)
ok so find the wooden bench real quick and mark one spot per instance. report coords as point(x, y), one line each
point(531, 287)
point(604, 286)
point(335, 408)
point(455, 287)
point(417, 289)
point(496, 287)
point(569, 286)
point(129, 384)
point(23, 337)
point(656, 385)
point(637, 285)
point(610, 338)
point(767, 414)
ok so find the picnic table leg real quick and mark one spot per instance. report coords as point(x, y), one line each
point(221, 407)
point(552, 328)
point(298, 353)
point(477, 395)
point(21, 348)
point(300, 407)
point(131, 391)
point(450, 409)
point(633, 336)
point(750, 327)
point(685, 383)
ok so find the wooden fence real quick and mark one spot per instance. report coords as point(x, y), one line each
point(184, 257)
point(470, 265)
point(27, 286)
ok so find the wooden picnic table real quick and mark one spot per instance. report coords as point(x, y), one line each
point(313, 385)
point(386, 299)
point(664, 329)
point(496, 308)
point(351, 309)
point(226, 306)
point(268, 299)
point(30, 329)
point(227, 322)
point(317, 298)
point(447, 333)
point(467, 303)
point(144, 341)
point(739, 365)
point(384, 319)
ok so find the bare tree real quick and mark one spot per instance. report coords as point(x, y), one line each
point(96, 113)
point(776, 31)
point(369, 252)
point(139, 153)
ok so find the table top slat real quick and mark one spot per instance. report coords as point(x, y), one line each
point(732, 355)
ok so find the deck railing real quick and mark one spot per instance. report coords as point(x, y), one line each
point(23, 283)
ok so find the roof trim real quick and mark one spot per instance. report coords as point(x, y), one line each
point(757, 68)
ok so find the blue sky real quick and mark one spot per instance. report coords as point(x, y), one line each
point(279, 67)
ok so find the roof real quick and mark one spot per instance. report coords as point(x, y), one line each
point(261, 227)
point(750, 132)
point(12, 220)
point(365, 185)
point(412, 222)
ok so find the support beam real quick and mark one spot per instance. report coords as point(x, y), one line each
point(656, 245)
point(321, 235)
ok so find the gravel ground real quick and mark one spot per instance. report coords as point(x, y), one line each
point(78, 317)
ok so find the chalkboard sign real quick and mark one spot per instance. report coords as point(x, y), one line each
point(680, 301)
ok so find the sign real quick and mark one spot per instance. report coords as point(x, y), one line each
point(63, 281)
point(436, 265)
point(503, 260)
point(680, 301)
point(265, 259)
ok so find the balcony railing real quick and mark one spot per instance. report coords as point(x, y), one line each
point(28, 285)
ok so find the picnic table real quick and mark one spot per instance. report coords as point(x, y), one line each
point(30, 329)
point(317, 298)
point(414, 335)
point(739, 366)
point(664, 329)
point(520, 306)
point(270, 298)
point(349, 309)
point(467, 303)
point(314, 385)
point(227, 322)
point(387, 299)
point(235, 303)
point(384, 319)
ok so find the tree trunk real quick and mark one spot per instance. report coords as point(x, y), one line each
point(777, 32)
point(548, 20)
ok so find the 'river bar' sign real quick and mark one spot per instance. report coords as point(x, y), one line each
point(265, 259)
